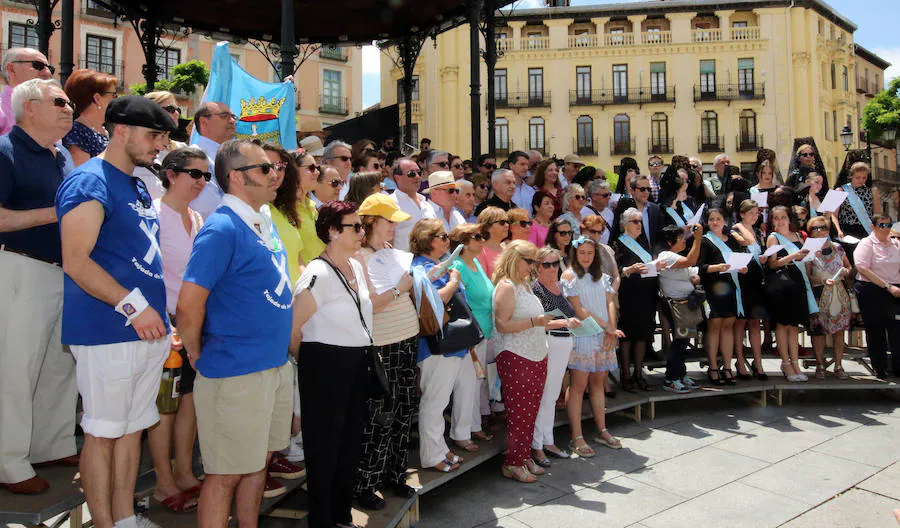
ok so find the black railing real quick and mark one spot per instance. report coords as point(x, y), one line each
point(729, 92)
point(664, 145)
point(333, 105)
point(623, 146)
point(886, 176)
point(502, 152)
point(644, 95)
point(747, 143)
point(333, 53)
point(116, 68)
point(711, 144)
point(585, 146)
point(97, 11)
point(522, 99)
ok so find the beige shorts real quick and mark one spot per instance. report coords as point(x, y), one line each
point(242, 418)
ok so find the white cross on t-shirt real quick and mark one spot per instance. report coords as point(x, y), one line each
point(281, 266)
point(153, 250)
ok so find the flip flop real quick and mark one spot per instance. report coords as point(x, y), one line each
point(484, 436)
point(194, 490)
point(178, 502)
point(454, 460)
point(469, 446)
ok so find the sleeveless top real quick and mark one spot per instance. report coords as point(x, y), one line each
point(530, 343)
point(846, 214)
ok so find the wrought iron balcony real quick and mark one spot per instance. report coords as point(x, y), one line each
point(601, 97)
point(621, 147)
point(711, 144)
point(585, 146)
point(333, 53)
point(333, 105)
point(522, 99)
point(661, 145)
point(730, 92)
point(116, 68)
point(747, 143)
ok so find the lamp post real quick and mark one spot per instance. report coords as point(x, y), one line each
point(847, 139)
point(890, 135)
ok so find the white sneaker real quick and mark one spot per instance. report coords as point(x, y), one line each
point(143, 522)
point(294, 452)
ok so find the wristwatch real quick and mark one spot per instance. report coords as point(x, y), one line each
point(396, 293)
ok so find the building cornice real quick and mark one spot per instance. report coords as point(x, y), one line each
point(871, 57)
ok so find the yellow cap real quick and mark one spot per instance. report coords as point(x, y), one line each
point(382, 205)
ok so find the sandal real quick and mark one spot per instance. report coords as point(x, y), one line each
point(584, 451)
point(519, 473)
point(840, 374)
point(641, 383)
point(484, 436)
point(715, 380)
point(179, 502)
point(556, 452)
point(612, 442)
point(533, 467)
point(468, 445)
point(728, 376)
point(454, 459)
point(820, 372)
point(445, 466)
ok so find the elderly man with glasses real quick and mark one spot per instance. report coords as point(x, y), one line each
point(600, 193)
point(656, 166)
point(338, 156)
point(444, 196)
point(215, 124)
point(19, 65)
point(408, 177)
point(37, 409)
point(640, 200)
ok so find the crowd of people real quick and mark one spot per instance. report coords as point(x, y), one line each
point(299, 360)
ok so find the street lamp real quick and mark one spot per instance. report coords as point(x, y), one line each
point(846, 137)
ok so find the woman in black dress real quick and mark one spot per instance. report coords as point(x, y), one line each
point(638, 297)
point(722, 291)
point(749, 235)
point(786, 291)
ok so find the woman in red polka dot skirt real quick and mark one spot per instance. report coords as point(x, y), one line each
point(520, 337)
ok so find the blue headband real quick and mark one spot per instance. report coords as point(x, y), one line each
point(581, 240)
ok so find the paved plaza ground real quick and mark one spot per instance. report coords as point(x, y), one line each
point(823, 459)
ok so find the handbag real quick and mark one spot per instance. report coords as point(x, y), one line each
point(686, 316)
point(428, 325)
point(376, 375)
point(460, 331)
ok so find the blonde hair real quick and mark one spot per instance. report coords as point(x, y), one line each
point(517, 214)
point(490, 215)
point(805, 146)
point(462, 234)
point(817, 220)
point(593, 220)
point(160, 96)
point(505, 267)
point(858, 166)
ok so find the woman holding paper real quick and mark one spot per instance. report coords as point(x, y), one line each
point(790, 297)
point(638, 297)
point(748, 234)
point(826, 273)
point(395, 330)
point(678, 207)
point(591, 294)
point(863, 201)
point(724, 295)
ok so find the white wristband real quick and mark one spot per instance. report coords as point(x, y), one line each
point(132, 305)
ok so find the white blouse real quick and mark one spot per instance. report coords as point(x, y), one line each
point(530, 343)
point(336, 319)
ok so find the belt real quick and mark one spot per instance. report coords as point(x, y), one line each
point(559, 333)
point(4, 247)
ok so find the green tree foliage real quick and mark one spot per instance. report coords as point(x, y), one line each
point(883, 112)
point(185, 78)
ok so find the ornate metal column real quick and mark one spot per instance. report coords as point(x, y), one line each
point(490, 58)
point(475, 68)
point(288, 41)
point(66, 43)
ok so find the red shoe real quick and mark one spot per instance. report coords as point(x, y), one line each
point(273, 488)
point(32, 486)
point(66, 461)
point(281, 468)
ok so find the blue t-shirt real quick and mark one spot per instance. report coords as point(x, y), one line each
point(426, 264)
point(127, 248)
point(248, 313)
point(29, 177)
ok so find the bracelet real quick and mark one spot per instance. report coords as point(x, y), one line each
point(531, 320)
point(132, 305)
point(396, 293)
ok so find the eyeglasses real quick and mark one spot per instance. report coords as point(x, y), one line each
point(564, 233)
point(266, 168)
point(376, 166)
point(172, 109)
point(595, 231)
point(642, 189)
point(143, 193)
point(635, 221)
point(345, 159)
point(413, 174)
point(443, 236)
point(525, 223)
point(501, 222)
point(59, 102)
point(312, 167)
point(37, 65)
point(226, 115)
point(579, 197)
point(819, 228)
point(491, 166)
point(482, 186)
point(550, 265)
point(655, 164)
point(477, 236)
point(529, 261)
point(806, 154)
point(195, 173)
point(280, 166)
point(604, 195)
point(357, 227)
point(456, 166)
point(884, 225)
point(442, 164)
point(336, 183)
point(113, 94)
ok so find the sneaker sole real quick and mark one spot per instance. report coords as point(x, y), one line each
point(268, 494)
point(676, 391)
point(289, 476)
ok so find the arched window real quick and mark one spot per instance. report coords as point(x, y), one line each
point(584, 132)
point(622, 134)
point(536, 134)
point(709, 132)
point(748, 139)
point(660, 142)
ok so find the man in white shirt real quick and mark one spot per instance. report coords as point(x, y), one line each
point(215, 125)
point(407, 177)
point(337, 156)
point(600, 193)
point(444, 195)
point(518, 164)
point(571, 165)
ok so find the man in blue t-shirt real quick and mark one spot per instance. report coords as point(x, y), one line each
point(37, 407)
point(114, 302)
point(234, 317)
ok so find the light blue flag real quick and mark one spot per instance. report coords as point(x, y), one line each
point(264, 110)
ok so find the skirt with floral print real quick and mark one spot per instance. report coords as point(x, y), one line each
point(589, 355)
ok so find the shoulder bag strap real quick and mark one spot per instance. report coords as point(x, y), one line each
point(353, 295)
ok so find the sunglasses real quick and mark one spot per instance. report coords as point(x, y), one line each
point(595, 231)
point(550, 265)
point(413, 174)
point(172, 109)
point(818, 228)
point(143, 193)
point(449, 190)
point(442, 164)
point(564, 233)
point(635, 221)
point(357, 227)
point(342, 158)
point(491, 166)
point(37, 65)
point(456, 166)
point(195, 173)
point(642, 189)
point(604, 195)
point(482, 186)
point(884, 225)
point(266, 168)
point(59, 102)
point(336, 183)
point(312, 167)
point(579, 197)
point(529, 261)
point(806, 154)
point(477, 236)
point(280, 166)
point(525, 223)
point(376, 166)
point(443, 236)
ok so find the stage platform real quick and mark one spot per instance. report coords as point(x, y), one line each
point(62, 505)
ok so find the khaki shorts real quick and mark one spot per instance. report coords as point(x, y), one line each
point(242, 418)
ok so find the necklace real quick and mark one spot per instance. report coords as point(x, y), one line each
point(352, 281)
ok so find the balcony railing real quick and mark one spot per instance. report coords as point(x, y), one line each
point(621, 147)
point(539, 148)
point(333, 53)
point(584, 41)
point(522, 100)
point(706, 35)
point(618, 39)
point(886, 176)
point(631, 96)
point(116, 68)
point(333, 105)
point(529, 43)
point(665, 145)
point(744, 33)
point(97, 11)
point(729, 92)
point(711, 144)
point(504, 150)
point(656, 37)
point(584, 146)
point(862, 85)
point(505, 44)
point(416, 109)
point(749, 143)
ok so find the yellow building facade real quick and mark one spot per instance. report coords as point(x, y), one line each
point(328, 83)
point(645, 78)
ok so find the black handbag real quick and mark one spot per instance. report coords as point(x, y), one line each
point(460, 332)
point(376, 376)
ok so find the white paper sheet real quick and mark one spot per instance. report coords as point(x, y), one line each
point(772, 250)
point(848, 239)
point(698, 216)
point(651, 271)
point(737, 261)
point(761, 198)
point(832, 201)
point(813, 245)
point(387, 267)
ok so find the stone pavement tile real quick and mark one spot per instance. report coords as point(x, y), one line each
point(874, 444)
point(615, 503)
point(734, 505)
point(854, 509)
point(887, 482)
point(503, 522)
point(810, 477)
point(741, 419)
point(462, 503)
point(578, 473)
point(698, 472)
point(773, 442)
point(674, 440)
